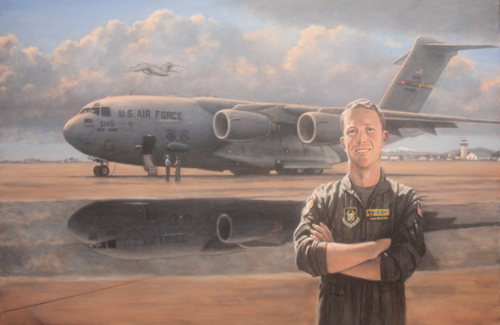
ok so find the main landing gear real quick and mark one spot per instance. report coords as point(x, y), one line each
point(102, 170)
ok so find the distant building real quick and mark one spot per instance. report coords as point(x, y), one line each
point(463, 149)
point(471, 156)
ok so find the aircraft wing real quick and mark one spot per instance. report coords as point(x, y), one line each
point(302, 109)
point(397, 119)
point(139, 67)
point(426, 122)
point(398, 116)
point(419, 117)
point(307, 117)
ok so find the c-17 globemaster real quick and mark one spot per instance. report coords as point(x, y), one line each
point(153, 69)
point(253, 137)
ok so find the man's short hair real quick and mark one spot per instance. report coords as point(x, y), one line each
point(363, 103)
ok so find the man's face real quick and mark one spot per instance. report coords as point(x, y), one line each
point(363, 138)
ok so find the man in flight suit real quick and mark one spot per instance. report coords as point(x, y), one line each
point(177, 169)
point(362, 234)
point(168, 163)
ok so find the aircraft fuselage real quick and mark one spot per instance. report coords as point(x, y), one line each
point(123, 129)
point(120, 137)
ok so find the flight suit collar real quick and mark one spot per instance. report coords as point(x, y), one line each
point(382, 185)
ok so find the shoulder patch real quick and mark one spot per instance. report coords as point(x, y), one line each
point(308, 206)
point(419, 210)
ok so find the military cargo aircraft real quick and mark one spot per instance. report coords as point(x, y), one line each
point(144, 229)
point(253, 137)
point(153, 69)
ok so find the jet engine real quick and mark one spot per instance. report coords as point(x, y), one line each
point(247, 228)
point(319, 128)
point(236, 125)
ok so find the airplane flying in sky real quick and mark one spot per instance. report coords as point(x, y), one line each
point(153, 69)
point(253, 137)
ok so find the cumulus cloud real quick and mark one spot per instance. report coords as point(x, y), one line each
point(317, 65)
point(465, 19)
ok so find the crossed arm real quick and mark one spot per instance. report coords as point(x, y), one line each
point(359, 260)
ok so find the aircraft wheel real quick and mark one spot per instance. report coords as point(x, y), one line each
point(300, 171)
point(314, 171)
point(96, 171)
point(103, 170)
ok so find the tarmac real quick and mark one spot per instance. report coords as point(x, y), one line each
point(48, 277)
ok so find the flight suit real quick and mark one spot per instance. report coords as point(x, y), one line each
point(167, 169)
point(392, 211)
point(178, 170)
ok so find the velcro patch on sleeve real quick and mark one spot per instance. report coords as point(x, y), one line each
point(419, 210)
point(307, 208)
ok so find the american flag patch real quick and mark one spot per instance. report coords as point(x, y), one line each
point(88, 122)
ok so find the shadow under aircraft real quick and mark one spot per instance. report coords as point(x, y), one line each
point(145, 229)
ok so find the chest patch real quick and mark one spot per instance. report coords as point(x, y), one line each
point(378, 214)
point(350, 218)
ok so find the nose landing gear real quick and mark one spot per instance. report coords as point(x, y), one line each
point(102, 170)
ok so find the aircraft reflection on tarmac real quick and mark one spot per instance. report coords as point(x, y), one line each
point(142, 229)
point(145, 229)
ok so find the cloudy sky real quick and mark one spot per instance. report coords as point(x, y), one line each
point(58, 55)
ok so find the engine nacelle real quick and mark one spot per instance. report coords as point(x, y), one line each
point(235, 125)
point(319, 128)
point(243, 229)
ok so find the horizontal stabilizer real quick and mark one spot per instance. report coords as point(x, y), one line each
point(457, 47)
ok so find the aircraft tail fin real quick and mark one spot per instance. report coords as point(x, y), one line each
point(422, 67)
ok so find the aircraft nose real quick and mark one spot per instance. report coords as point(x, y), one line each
point(77, 226)
point(73, 132)
point(67, 130)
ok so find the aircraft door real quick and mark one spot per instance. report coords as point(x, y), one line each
point(148, 144)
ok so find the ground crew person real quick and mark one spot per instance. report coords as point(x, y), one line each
point(362, 234)
point(168, 163)
point(177, 169)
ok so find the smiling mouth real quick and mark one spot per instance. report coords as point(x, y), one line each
point(362, 150)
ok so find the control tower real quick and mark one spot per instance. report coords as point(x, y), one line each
point(463, 149)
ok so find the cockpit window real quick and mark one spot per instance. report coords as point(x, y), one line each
point(105, 111)
point(95, 110)
point(85, 110)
